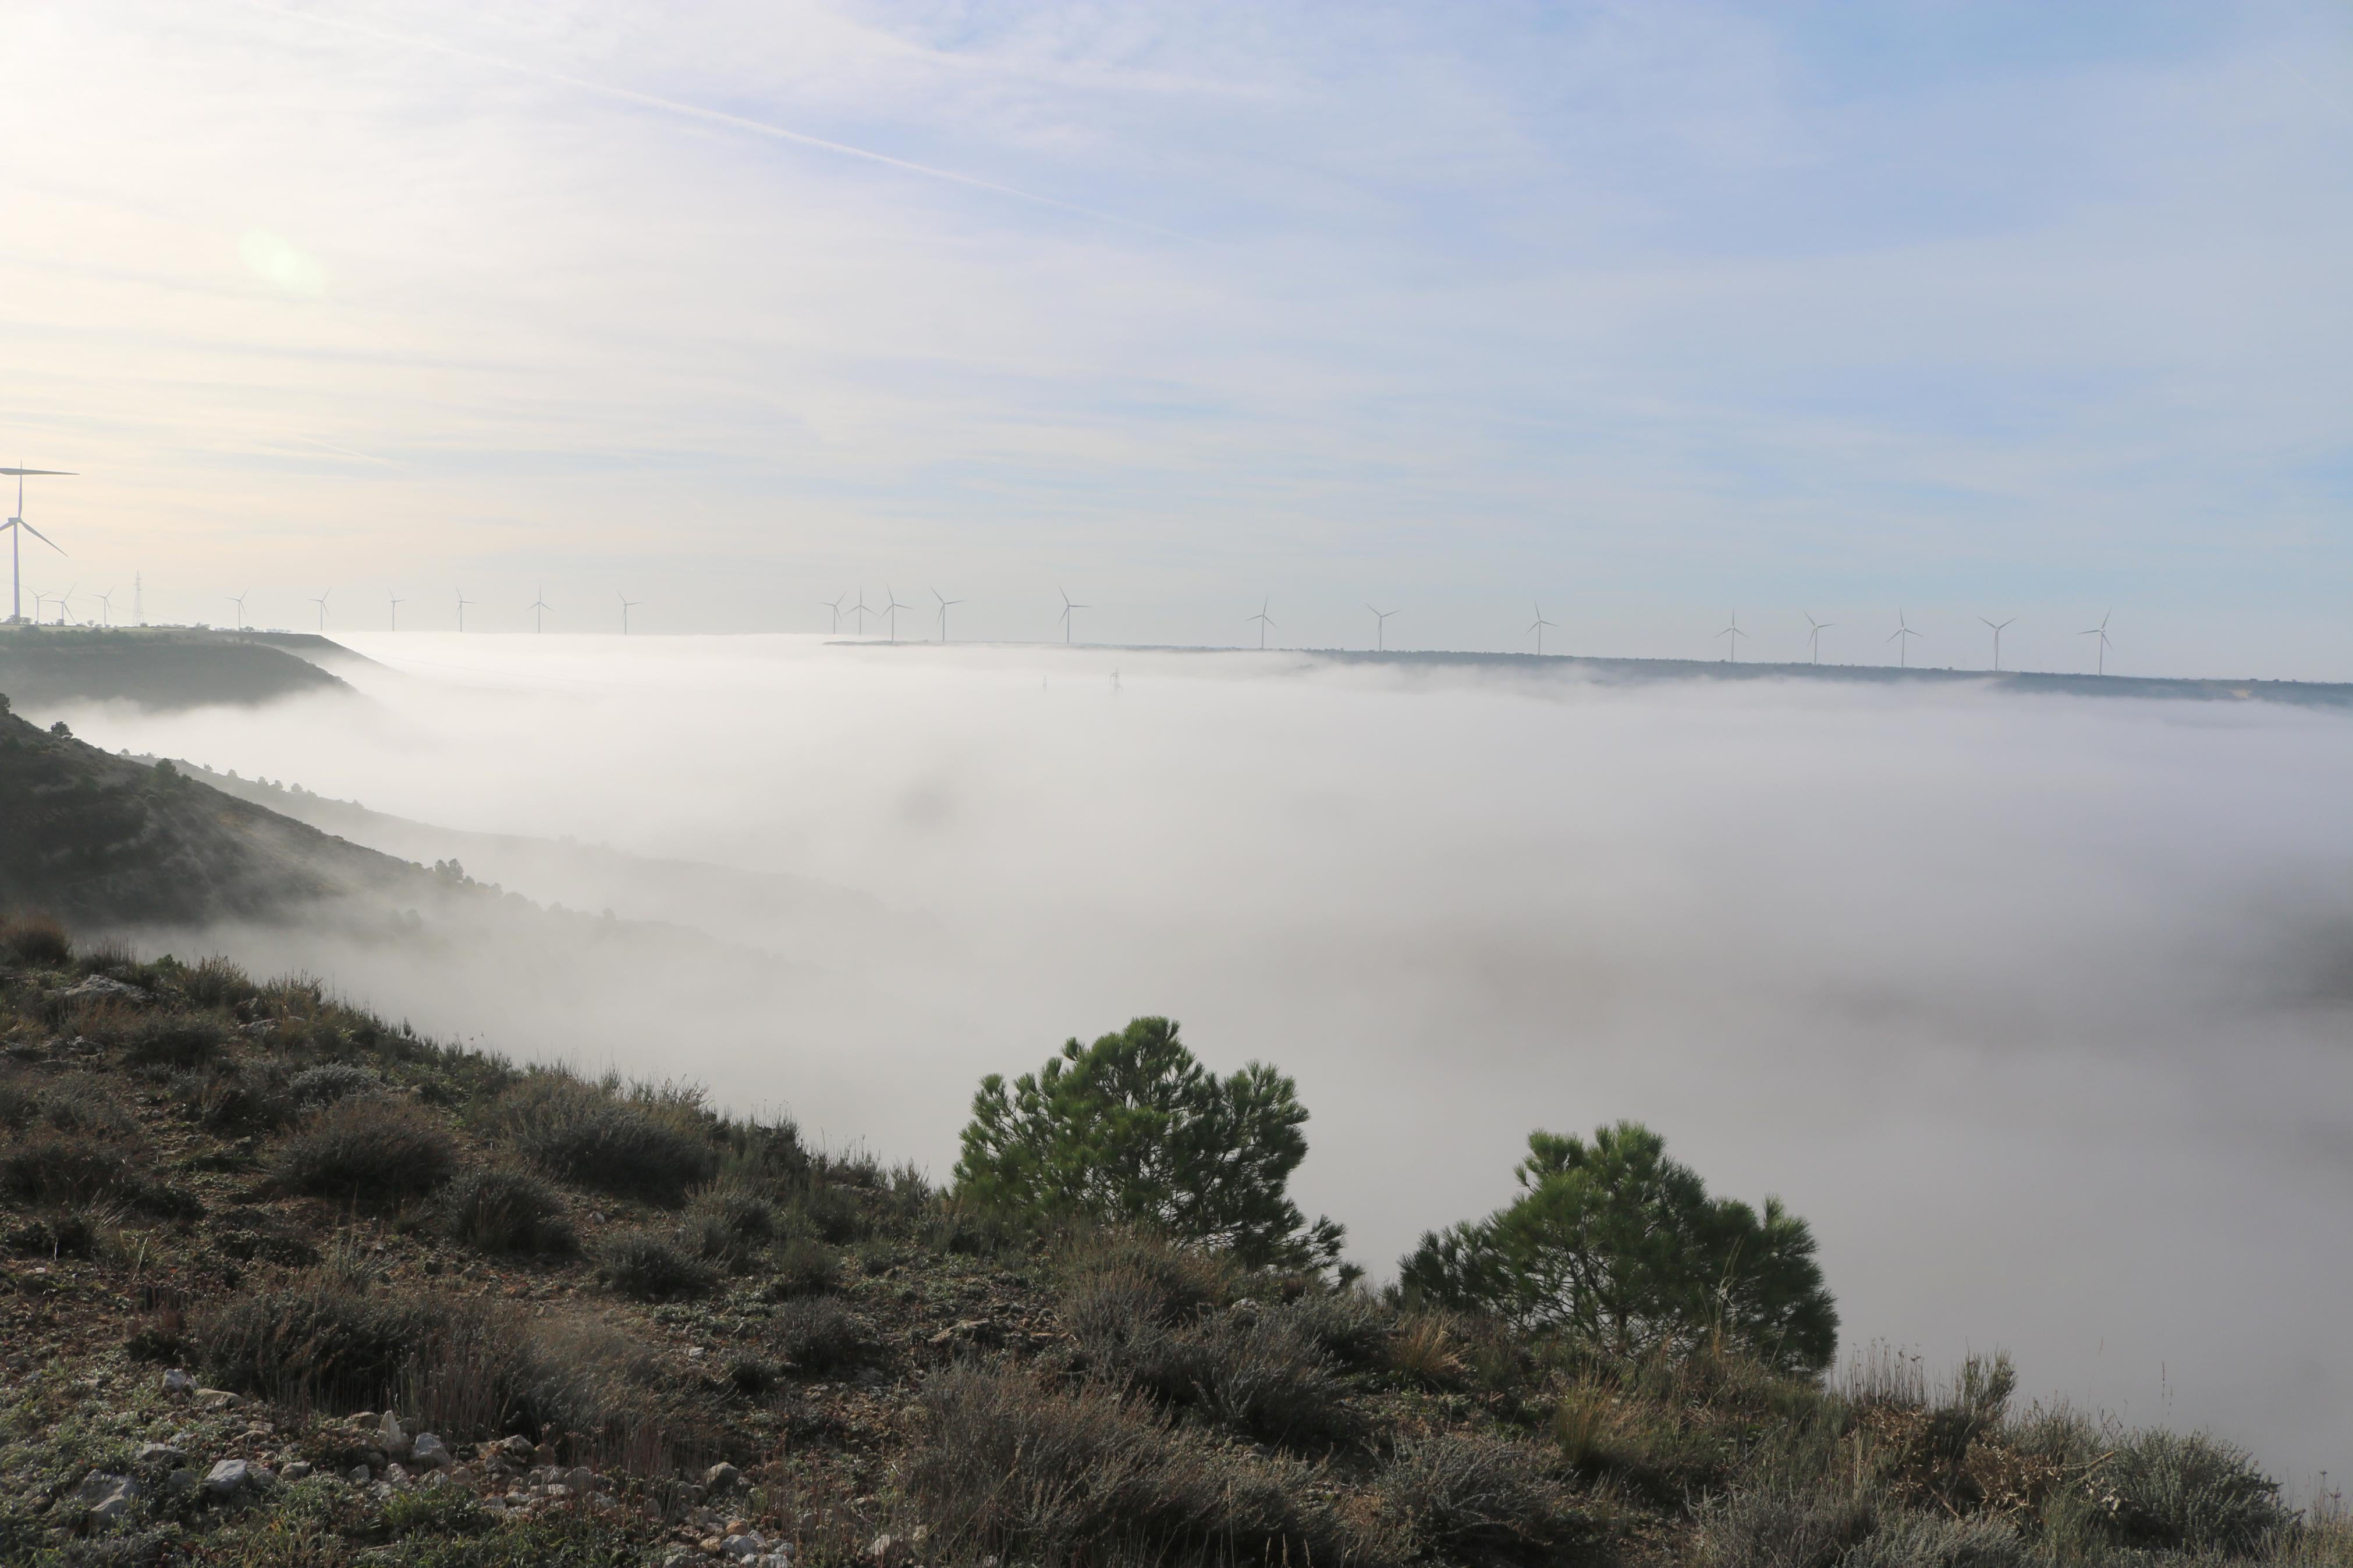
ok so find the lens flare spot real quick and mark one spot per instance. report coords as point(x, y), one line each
point(283, 265)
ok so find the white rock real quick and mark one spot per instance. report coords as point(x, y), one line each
point(100, 988)
point(720, 1478)
point(358, 1475)
point(425, 1449)
point(297, 1470)
point(580, 1479)
point(178, 1384)
point(107, 1497)
point(391, 1438)
point(227, 1476)
point(745, 1546)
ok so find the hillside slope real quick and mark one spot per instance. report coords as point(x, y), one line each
point(42, 668)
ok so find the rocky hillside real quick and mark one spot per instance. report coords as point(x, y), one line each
point(284, 1285)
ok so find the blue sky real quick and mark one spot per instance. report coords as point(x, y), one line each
point(1649, 313)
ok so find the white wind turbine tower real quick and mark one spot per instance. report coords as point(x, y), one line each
point(1814, 630)
point(1732, 636)
point(1997, 627)
point(63, 600)
point(462, 602)
point(945, 603)
point(238, 600)
point(861, 612)
point(106, 605)
point(1538, 627)
point(891, 611)
point(321, 602)
point(1380, 628)
point(539, 606)
point(1263, 619)
point(1904, 648)
point(629, 604)
point(396, 607)
point(834, 605)
point(17, 528)
point(2101, 631)
point(1070, 616)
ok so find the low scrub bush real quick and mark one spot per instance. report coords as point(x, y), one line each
point(173, 1039)
point(645, 1266)
point(1477, 1498)
point(35, 938)
point(1351, 1327)
point(819, 1334)
point(650, 1143)
point(374, 1153)
point(332, 1346)
point(50, 1167)
point(803, 1267)
point(248, 1098)
point(730, 1227)
point(508, 1211)
point(1017, 1469)
point(2187, 1492)
point(217, 982)
point(752, 1375)
point(73, 1103)
point(330, 1082)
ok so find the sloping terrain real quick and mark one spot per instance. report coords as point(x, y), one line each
point(286, 1285)
point(43, 666)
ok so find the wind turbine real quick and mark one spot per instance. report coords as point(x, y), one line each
point(40, 606)
point(892, 610)
point(833, 604)
point(539, 608)
point(1732, 636)
point(1380, 628)
point(1814, 634)
point(1538, 627)
point(629, 604)
point(861, 612)
point(396, 607)
point(1069, 618)
point(321, 602)
point(1997, 627)
point(238, 600)
point(106, 605)
point(1263, 620)
point(17, 528)
point(462, 602)
point(1902, 650)
point(2101, 631)
point(64, 599)
point(945, 603)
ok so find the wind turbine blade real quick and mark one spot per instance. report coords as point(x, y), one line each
point(37, 533)
point(20, 473)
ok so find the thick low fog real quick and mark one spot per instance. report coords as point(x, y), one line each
point(2039, 1008)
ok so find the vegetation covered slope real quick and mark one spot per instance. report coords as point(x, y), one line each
point(42, 666)
point(287, 1286)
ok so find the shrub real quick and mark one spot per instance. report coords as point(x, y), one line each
point(649, 1144)
point(1351, 1327)
point(332, 1082)
point(1014, 1468)
point(752, 1375)
point(74, 1102)
point(35, 938)
point(1774, 1527)
point(832, 1213)
point(503, 1211)
point(2190, 1492)
point(47, 1166)
point(174, 1039)
point(730, 1227)
point(371, 1152)
point(818, 1334)
point(1134, 1130)
point(343, 1348)
point(803, 1267)
point(649, 1267)
point(1475, 1497)
point(217, 982)
point(248, 1098)
point(1621, 1250)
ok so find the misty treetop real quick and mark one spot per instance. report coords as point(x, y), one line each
point(1621, 1250)
point(1133, 1129)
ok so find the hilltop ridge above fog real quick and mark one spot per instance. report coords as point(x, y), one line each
point(164, 668)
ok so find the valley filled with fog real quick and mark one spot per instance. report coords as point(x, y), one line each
point(2039, 1008)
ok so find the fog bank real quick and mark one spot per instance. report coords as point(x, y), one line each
point(2039, 1008)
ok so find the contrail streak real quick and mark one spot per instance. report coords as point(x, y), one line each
point(712, 117)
